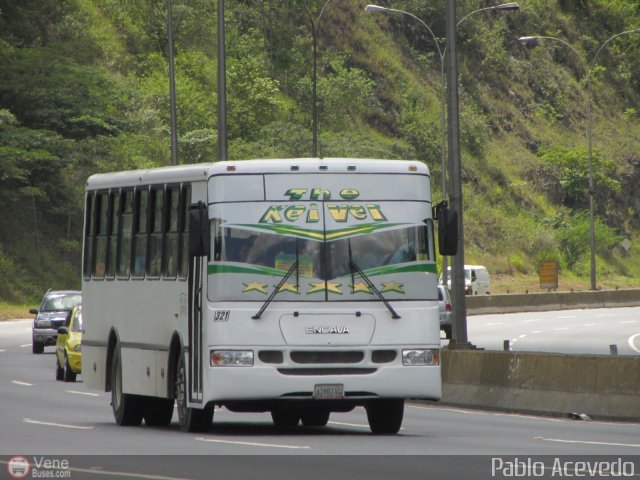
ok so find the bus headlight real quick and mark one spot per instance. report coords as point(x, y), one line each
point(421, 356)
point(231, 358)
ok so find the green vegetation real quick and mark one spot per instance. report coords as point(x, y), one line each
point(84, 89)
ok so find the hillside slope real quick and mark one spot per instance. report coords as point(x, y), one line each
point(84, 89)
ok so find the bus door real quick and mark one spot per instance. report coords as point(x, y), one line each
point(198, 258)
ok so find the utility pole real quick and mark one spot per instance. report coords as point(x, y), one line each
point(172, 86)
point(459, 334)
point(222, 87)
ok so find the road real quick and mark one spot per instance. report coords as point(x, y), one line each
point(45, 418)
point(588, 331)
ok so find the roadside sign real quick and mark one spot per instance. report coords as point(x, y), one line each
point(548, 275)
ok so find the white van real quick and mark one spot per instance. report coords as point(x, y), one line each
point(476, 280)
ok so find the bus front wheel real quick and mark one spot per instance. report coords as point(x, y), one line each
point(190, 419)
point(127, 408)
point(385, 416)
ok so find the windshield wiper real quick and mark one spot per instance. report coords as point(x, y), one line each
point(370, 284)
point(277, 289)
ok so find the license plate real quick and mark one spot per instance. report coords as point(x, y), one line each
point(332, 391)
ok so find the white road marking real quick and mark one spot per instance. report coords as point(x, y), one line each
point(531, 320)
point(61, 425)
point(89, 394)
point(25, 345)
point(343, 424)
point(522, 336)
point(494, 323)
point(560, 329)
point(568, 316)
point(252, 444)
point(632, 344)
point(587, 442)
point(628, 321)
point(590, 324)
point(24, 384)
point(2, 350)
point(537, 331)
point(606, 315)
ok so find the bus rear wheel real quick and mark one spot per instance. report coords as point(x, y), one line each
point(385, 416)
point(159, 412)
point(190, 419)
point(127, 408)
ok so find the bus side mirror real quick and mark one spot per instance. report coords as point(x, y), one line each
point(447, 228)
point(199, 233)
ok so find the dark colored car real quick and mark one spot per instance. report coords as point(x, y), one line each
point(52, 314)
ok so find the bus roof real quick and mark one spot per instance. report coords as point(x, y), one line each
point(202, 171)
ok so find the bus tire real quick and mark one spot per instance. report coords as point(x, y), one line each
point(315, 417)
point(190, 419)
point(285, 418)
point(127, 408)
point(69, 375)
point(385, 416)
point(159, 412)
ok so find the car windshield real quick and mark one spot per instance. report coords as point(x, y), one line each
point(61, 302)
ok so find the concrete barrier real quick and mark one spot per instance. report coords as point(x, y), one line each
point(510, 303)
point(604, 387)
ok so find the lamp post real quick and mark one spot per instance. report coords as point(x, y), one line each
point(443, 128)
point(314, 30)
point(589, 71)
point(172, 86)
point(222, 87)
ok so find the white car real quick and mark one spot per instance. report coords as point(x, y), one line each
point(444, 307)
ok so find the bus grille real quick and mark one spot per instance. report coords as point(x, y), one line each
point(306, 357)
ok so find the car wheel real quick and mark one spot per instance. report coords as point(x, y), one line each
point(447, 331)
point(59, 370)
point(69, 375)
point(128, 409)
point(385, 416)
point(37, 347)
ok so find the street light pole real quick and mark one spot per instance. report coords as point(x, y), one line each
point(443, 110)
point(314, 30)
point(589, 71)
point(172, 86)
point(222, 86)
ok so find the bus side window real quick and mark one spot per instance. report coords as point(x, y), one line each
point(155, 232)
point(112, 235)
point(100, 231)
point(170, 239)
point(185, 201)
point(140, 228)
point(125, 223)
point(88, 236)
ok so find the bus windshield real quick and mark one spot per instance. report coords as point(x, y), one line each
point(253, 257)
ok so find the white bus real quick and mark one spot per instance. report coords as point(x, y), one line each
point(298, 287)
